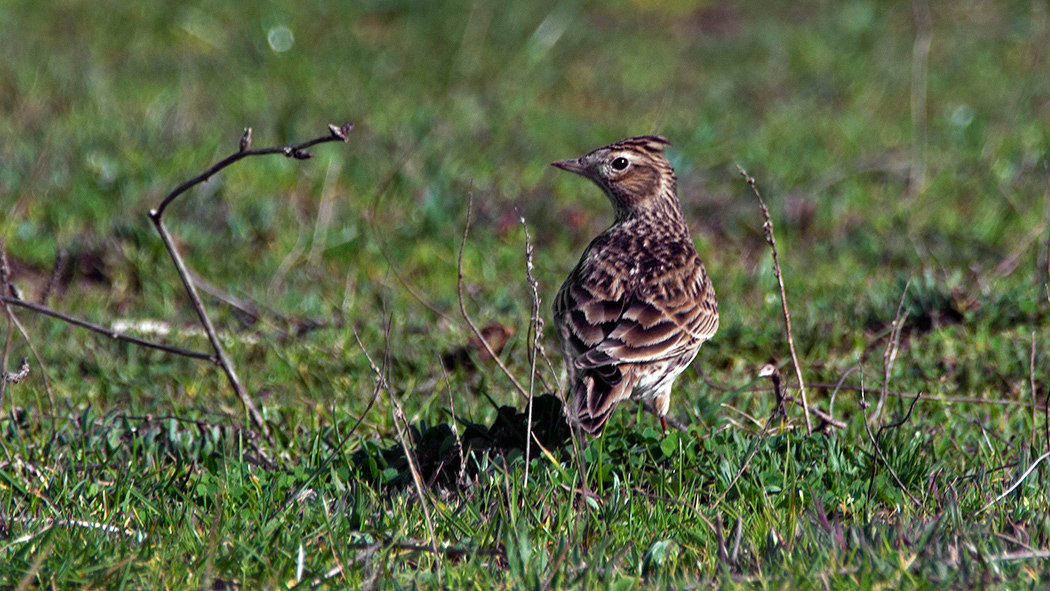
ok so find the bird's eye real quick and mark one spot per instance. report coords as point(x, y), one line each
point(620, 163)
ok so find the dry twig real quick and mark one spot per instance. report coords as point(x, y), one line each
point(297, 151)
point(461, 478)
point(5, 355)
point(107, 332)
point(768, 227)
point(773, 372)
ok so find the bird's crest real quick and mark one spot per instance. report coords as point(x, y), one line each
point(647, 143)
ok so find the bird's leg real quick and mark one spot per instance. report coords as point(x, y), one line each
point(661, 404)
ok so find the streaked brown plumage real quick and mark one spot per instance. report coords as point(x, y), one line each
point(633, 313)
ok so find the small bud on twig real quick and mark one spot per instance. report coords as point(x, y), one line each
point(342, 132)
point(246, 139)
point(20, 375)
point(297, 153)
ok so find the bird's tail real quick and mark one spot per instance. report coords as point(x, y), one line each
point(598, 390)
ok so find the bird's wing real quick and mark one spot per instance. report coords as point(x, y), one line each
point(608, 324)
point(588, 308)
point(663, 318)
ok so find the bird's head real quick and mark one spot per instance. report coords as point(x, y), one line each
point(633, 172)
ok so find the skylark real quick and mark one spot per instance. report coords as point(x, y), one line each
point(633, 313)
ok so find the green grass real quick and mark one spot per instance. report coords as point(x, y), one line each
point(141, 470)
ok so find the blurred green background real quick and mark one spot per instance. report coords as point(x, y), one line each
point(894, 142)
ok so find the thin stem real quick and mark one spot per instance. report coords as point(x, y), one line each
point(907, 396)
point(413, 465)
point(331, 456)
point(1013, 486)
point(773, 373)
point(890, 355)
point(463, 305)
point(536, 328)
point(1031, 386)
point(768, 227)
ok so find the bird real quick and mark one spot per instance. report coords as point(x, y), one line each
point(632, 314)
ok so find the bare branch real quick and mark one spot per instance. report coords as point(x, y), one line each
point(107, 332)
point(297, 151)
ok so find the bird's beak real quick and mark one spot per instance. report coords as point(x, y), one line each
point(571, 165)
